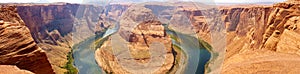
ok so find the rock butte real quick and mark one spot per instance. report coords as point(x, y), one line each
point(259, 38)
point(140, 41)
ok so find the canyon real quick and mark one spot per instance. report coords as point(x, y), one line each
point(253, 38)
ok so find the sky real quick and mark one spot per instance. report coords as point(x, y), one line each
point(81, 1)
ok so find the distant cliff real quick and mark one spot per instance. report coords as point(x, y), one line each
point(261, 30)
point(57, 27)
point(254, 33)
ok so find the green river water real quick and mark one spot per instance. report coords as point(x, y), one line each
point(198, 53)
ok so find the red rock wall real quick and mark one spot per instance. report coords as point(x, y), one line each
point(17, 47)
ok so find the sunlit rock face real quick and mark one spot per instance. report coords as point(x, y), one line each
point(54, 23)
point(254, 29)
point(57, 27)
point(8, 69)
point(50, 26)
point(65, 24)
point(249, 29)
point(146, 46)
point(244, 27)
point(284, 22)
point(17, 47)
point(278, 50)
point(258, 32)
point(262, 62)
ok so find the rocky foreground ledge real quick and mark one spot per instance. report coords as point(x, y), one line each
point(8, 69)
point(278, 51)
point(17, 47)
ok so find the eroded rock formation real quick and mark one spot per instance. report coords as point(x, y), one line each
point(278, 48)
point(50, 26)
point(142, 51)
point(258, 37)
point(263, 30)
point(141, 37)
point(8, 69)
point(285, 21)
point(57, 27)
point(17, 47)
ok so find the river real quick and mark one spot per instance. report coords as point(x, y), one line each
point(84, 53)
point(197, 54)
point(84, 59)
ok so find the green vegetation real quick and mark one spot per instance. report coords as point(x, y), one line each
point(98, 43)
point(205, 45)
point(179, 55)
point(69, 66)
point(99, 39)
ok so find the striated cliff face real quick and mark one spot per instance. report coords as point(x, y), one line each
point(47, 23)
point(57, 27)
point(245, 27)
point(143, 47)
point(17, 47)
point(243, 24)
point(278, 45)
point(54, 23)
point(134, 48)
point(256, 32)
point(65, 24)
point(285, 22)
point(259, 38)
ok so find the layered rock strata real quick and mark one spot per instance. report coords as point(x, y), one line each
point(57, 27)
point(143, 49)
point(17, 47)
point(250, 29)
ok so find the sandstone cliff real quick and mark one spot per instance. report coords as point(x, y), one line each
point(250, 29)
point(140, 32)
point(258, 37)
point(57, 27)
point(143, 50)
point(277, 47)
point(48, 25)
point(255, 30)
point(7, 69)
point(285, 21)
point(17, 47)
